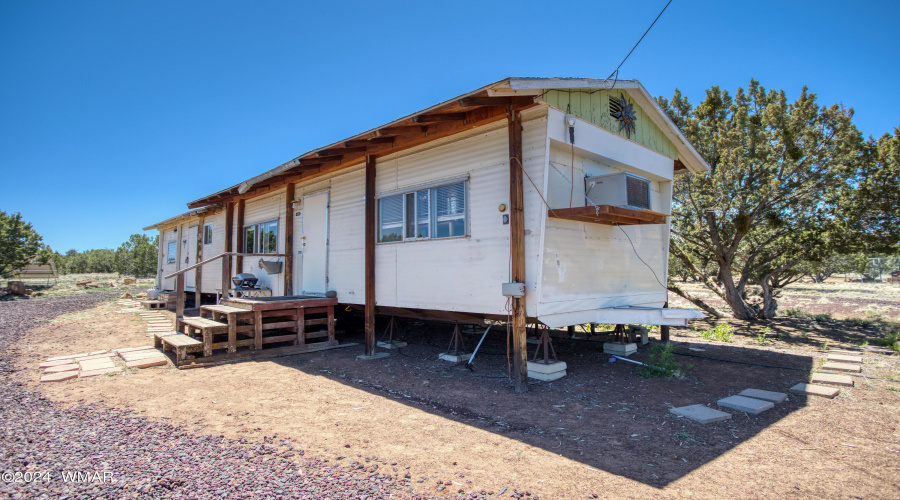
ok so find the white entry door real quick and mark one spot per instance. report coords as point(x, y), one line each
point(314, 244)
point(189, 256)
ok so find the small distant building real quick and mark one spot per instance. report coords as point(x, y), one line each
point(36, 271)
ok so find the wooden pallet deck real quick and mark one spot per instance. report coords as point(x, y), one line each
point(242, 327)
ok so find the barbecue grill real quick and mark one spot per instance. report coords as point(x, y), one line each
point(244, 280)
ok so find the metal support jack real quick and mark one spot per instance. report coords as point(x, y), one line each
point(547, 345)
point(456, 341)
point(389, 333)
point(471, 359)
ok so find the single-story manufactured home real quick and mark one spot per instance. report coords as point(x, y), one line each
point(543, 200)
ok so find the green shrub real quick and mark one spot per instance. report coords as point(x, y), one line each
point(662, 363)
point(721, 332)
point(892, 341)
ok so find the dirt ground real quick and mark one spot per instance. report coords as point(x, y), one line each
point(602, 430)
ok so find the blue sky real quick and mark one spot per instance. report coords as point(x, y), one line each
point(115, 114)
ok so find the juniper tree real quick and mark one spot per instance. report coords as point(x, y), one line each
point(784, 190)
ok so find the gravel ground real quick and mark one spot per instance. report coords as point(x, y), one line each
point(120, 454)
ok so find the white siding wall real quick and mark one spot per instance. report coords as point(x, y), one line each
point(263, 209)
point(212, 272)
point(165, 236)
point(459, 274)
point(346, 225)
point(589, 266)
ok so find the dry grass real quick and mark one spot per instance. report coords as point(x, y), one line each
point(66, 285)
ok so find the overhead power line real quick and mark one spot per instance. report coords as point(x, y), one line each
point(616, 71)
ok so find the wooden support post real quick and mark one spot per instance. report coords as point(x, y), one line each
point(239, 259)
point(370, 255)
point(257, 330)
point(198, 272)
point(226, 261)
point(179, 296)
point(301, 327)
point(159, 260)
point(331, 340)
point(232, 332)
point(571, 331)
point(517, 248)
point(664, 329)
point(289, 240)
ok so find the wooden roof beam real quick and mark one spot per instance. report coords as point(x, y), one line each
point(440, 117)
point(340, 151)
point(401, 130)
point(319, 160)
point(471, 102)
point(366, 142)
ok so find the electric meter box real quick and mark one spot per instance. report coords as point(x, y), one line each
point(514, 289)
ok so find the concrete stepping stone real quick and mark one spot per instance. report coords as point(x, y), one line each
point(48, 364)
point(701, 414)
point(132, 349)
point(134, 356)
point(59, 377)
point(61, 368)
point(745, 404)
point(71, 356)
point(100, 371)
point(815, 390)
point(842, 367)
point(95, 356)
point(773, 397)
point(843, 358)
point(96, 364)
point(147, 363)
point(828, 378)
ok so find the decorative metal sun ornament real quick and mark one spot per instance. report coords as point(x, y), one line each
point(623, 111)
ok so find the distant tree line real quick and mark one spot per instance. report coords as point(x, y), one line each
point(136, 257)
point(20, 245)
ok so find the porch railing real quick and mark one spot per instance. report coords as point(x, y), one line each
point(226, 276)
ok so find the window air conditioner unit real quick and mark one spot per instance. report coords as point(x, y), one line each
point(619, 190)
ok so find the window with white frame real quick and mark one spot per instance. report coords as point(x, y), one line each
point(261, 238)
point(207, 234)
point(170, 252)
point(268, 237)
point(438, 212)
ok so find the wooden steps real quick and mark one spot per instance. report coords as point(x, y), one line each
point(298, 323)
point(178, 342)
point(204, 328)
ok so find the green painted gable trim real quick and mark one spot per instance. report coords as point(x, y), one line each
point(593, 106)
